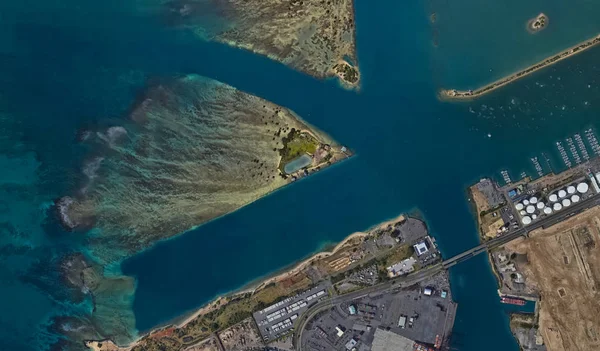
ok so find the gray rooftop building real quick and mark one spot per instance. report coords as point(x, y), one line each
point(388, 341)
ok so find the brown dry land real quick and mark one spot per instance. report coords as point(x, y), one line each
point(313, 36)
point(488, 224)
point(210, 344)
point(564, 266)
point(241, 336)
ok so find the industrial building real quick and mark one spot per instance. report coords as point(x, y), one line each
point(401, 268)
point(534, 208)
point(277, 319)
point(421, 248)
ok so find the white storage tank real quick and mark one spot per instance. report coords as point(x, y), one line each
point(525, 202)
point(533, 200)
point(562, 193)
point(523, 212)
point(530, 209)
point(533, 216)
point(526, 220)
point(519, 206)
point(557, 207)
point(582, 187)
point(540, 205)
point(571, 189)
point(553, 198)
point(575, 198)
point(566, 202)
point(547, 210)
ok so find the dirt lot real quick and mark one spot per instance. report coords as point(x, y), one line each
point(488, 223)
point(209, 344)
point(241, 336)
point(564, 262)
point(479, 198)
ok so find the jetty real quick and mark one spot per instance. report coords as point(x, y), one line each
point(453, 94)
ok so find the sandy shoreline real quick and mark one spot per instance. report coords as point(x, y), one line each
point(453, 94)
point(297, 267)
point(252, 288)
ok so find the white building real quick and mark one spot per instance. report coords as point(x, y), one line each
point(403, 267)
point(420, 248)
point(350, 344)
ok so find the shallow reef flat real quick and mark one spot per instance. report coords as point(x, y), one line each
point(313, 36)
point(196, 149)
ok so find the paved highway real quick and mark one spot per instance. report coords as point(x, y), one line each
point(426, 273)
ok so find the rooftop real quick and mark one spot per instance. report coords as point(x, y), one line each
point(388, 341)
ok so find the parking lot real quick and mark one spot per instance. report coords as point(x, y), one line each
point(423, 313)
point(276, 320)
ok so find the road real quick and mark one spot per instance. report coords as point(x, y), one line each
point(428, 272)
point(542, 223)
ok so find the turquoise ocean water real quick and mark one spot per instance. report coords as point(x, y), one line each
point(68, 66)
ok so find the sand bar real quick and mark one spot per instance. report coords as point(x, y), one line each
point(453, 94)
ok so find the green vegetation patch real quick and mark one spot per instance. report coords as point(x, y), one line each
point(398, 254)
point(349, 73)
point(295, 144)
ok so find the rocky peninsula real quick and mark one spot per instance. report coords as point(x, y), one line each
point(195, 149)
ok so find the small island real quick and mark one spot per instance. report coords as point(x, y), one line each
point(538, 23)
point(347, 73)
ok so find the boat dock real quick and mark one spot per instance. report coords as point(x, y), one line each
point(506, 177)
point(582, 148)
point(573, 150)
point(589, 134)
point(537, 166)
point(563, 154)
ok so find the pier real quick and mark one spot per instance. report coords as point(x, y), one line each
point(582, 148)
point(563, 154)
point(538, 167)
point(573, 151)
point(589, 134)
point(452, 94)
